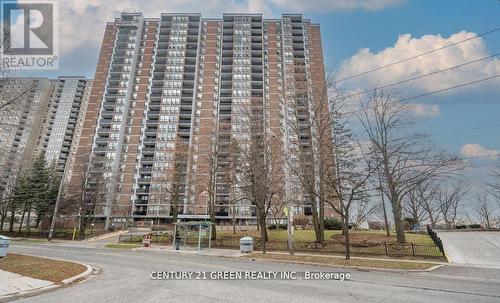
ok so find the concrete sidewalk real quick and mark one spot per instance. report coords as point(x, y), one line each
point(13, 284)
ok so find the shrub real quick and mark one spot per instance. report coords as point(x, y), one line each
point(274, 226)
point(332, 224)
point(461, 226)
point(408, 224)
point(300, 220)
point(474, 225)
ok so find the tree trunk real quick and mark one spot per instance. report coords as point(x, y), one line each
point(2, 220)
point(315, 223)
point(321, 220)
point(37, 222)
point(396, 208)
point(212, 219)
point(398, 222)
point(234, 219)
point(28, 223)
point(263, 233)
point(11, 221)
point(386, 220)
point(175, 211)
point(22, 220)
point(345, 228)
point(433, 221)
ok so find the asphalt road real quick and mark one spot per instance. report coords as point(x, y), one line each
point(125, 277)
point(481, 248)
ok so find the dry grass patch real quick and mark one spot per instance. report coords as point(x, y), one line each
point(339, 261)
point(123, 245)
point(41, 268)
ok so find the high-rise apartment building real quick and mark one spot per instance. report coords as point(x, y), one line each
point(21, 125)
point(181, 82)
point(63, 122)
point(45, 116)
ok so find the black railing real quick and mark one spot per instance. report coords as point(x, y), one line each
point(336, 247)
point(436, 240)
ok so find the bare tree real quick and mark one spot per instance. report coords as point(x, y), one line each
point(494, 186)
point(413, 208)
point(211, 184)
point(379, 186)
point(260, 177)
point(348, 178)
point(309, 119)
point(426, 193)
point(362, 211)
point(449, 198)
point(484, 210)
point(172, 183)
point(89, 198)
point(405, 159)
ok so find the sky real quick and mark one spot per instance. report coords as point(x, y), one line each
point(359, 35)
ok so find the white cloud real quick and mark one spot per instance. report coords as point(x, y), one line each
point(475, 150)
point(407, 46)
point(425, 110)
point(331, 5)
point(82, 23)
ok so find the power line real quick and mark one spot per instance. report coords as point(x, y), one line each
point(468, 139)
point(434, 92)
point(417, 56)
point(421, 76)
point(464, 129)
point(449, 88)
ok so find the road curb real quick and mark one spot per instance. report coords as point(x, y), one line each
point(360, 268)
point(83, 275)
point(45, 289)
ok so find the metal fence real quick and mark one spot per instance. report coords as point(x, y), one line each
point(387, 249)
point(436, 240)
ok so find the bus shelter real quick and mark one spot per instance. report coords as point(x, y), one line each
point(194, 234)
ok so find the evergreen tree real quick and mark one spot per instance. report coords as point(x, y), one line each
point(20, 198)
point(35, 192)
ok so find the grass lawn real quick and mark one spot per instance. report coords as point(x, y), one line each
point(405, 265)
point(41, 268)
point(123, 245)
point(308, 235)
